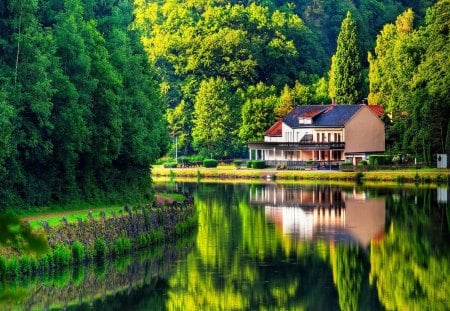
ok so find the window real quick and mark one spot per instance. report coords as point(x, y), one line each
point(323, 137)
point(329, 137)
point(318, 137)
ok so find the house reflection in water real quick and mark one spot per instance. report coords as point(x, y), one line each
point(323, 212)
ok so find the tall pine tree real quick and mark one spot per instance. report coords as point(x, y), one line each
point(347, 71)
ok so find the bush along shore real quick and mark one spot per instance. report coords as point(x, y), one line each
point(95, 240)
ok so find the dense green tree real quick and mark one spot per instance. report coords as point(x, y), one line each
point(180, 125)
point(409, 77)
point(81, 116)
point(285, 103)
point(258, 112)
point(216, 119)
point(347, 75)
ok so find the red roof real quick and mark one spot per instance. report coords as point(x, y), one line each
point(311, 113)
point(276, 129)
point(377, 109)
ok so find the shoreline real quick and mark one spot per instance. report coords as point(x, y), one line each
point(419, 176)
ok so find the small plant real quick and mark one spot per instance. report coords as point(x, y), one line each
point(62, 255)
point(170, 165)
point(210, 163)
point(346, 167)
point(77, 252)
point(100, 249)
point(237, 163)
point(121, 246)
point(258, 164)
point(25, 265)
point(362, 163)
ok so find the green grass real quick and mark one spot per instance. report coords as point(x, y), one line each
point(174, 196)
point(424, 175)
point(54, 219)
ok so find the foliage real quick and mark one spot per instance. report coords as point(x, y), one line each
point(237, 163)
point(258, 164)
point(170, 165)
point(121, 246)
point(80, 109)
point(210, 163)
point(100, 249)
point(409, 77)
point(78, 252)
point(347, 67)
point(257, 112)
point(215, 119)
point(380, 159)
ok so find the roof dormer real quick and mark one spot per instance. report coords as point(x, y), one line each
point(307, 117)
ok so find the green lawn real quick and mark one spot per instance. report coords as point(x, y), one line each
point(53, 218)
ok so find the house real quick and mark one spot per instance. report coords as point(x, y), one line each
point(327, 134)
point(323, 212)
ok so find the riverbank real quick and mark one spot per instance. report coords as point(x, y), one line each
point(92, 239)
point(400, 176)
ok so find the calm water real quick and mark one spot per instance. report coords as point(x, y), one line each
point(268, 247)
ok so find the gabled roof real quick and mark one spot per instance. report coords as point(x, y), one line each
point(323, 115)
point(377, 109)
point(276, 129)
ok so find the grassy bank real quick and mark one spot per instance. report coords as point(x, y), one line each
point(424, 175)
point(81, 237)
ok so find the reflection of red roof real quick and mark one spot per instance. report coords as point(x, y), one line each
point(377, 109)
point(276, 129)
point(311, 113)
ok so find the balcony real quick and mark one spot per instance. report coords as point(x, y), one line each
point(302, 145)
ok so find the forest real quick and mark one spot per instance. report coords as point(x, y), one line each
point(81, 115)
point(229, 69)
point(93, 92)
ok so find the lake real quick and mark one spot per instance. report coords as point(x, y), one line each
point(274, 247)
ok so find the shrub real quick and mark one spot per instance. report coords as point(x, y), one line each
point(155, 236)
point(78, 252)
point(380, 159)
point(237, 163)
point(210, 163)
point(170, 165)
point(248, 164)
point(258, 164)
point(346, 167)
point(100, 249)
point(2, 265)
point(362, 163)
point(142, 240)
point(62, 255)
point(12, 267)
point(121, 246)
point(25, 265)
point(310, 161)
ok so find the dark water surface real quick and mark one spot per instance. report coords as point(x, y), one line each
point(274, 247)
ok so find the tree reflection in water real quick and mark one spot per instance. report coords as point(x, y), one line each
point(259, 247)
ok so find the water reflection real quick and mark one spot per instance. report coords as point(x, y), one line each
point(295, 247)
point(268, 247)
point(323, 212)
point(135, 282)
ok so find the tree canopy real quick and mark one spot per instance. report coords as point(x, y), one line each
point(80, 108)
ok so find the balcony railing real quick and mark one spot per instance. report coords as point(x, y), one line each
point(303, 145)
